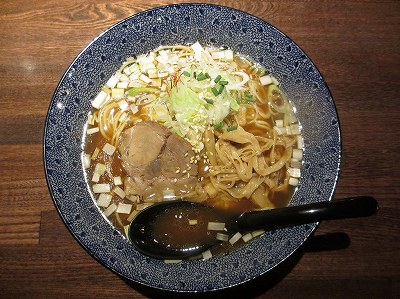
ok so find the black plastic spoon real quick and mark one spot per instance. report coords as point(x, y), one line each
point(179, 229)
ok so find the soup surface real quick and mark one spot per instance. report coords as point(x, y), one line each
point(187, 121)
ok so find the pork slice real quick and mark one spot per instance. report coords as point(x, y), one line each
point(175, 158)
point(140, 147)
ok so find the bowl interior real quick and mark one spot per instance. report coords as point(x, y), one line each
point(173, 24)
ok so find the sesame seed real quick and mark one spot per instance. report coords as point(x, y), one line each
point(177, 171)
point(184, 171)
point(186, 154)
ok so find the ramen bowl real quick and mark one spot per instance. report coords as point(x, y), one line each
point(185, 24)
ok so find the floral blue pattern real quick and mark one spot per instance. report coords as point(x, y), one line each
point(187, 23)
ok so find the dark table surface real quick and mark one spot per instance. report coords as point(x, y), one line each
point(355, 45)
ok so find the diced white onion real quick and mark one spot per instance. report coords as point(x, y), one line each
point(100, 168)
point(95, 177)
point(123, 84)
point(222, 237)
point(124, 208)
point(111, 209)
point(236, 237)
point(133, 198)
point(121, 193)
point(86, 161)
point(152, 73)
point(294, 172)
point(117, 181)
point(104, 200)
point(206, 255)
point(274, 80)
point(92, 130)
point(295, 163)
point(117, 93)
point(123, 105)
point(109, 149)
point(297, 154)
point(101, 188)
point(295, 129)
point(144, 78)
point(293, 182)
point(112, 82)
point(247, 237)
point(300, 142)
point(198, 49)
point(218, 55)
point(99, 99)
point(91, 119)
point(265, 80)
point(134, 108)
point(192, 221)
point(216, 226)
point(228, 55)
point(257, 233)
point(279, 123)
point(95, 153)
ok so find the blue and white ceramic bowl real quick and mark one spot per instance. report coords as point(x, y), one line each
point(187, 23)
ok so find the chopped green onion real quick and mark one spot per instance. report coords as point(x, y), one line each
point(221, 89)
point(223, 82)
point(217, 78)
point(207, 75)
point(186, 73)
point(201, 77)
point(218, 125)
point(209, 101)
point(194, 75)
point(231, 128)
point(215, 91)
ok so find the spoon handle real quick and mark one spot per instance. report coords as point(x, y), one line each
point(360, 206)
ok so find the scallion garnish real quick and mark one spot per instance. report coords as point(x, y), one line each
point(207, 75)
point(231, 128)
point(209, 101)
point(217, 78)
point(201, 77)
point(215, 91)
point(223, 82)
point(218, 125)
point(186, 73)
point(221, 89)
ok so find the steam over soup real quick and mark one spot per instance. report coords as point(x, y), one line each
point(193, 122)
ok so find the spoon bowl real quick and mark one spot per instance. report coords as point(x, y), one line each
point(181, 229)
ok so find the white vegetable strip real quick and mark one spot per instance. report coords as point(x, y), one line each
point(104, 200)
point(124, 208)
point(111, 209)
point(216, 226)
point(101, 188)
point(236, 237)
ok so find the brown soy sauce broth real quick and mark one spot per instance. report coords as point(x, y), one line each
point(228, 204)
